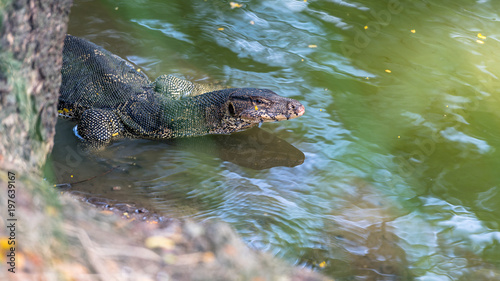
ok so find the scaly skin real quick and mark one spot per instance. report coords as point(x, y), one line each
point(109, 99)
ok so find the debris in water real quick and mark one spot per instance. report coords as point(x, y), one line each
point(235, 5)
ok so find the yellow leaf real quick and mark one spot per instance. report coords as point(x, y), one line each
point(4, 243)
point(220, 28)
point(169, 258)
point(235, 5)
point(322, 264)
point(208, 257)
point(115, 134)
point(388, 71)
point(256, 108)
point(65, 110)
point(366, 26)
point(412, 31)
point(51, 211)
point(159, 242)
point(480, 36)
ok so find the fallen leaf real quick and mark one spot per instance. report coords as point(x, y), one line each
point(51, 211)
point(159, 242)
point(208, 257)
point(235, 5)
point(4, 243)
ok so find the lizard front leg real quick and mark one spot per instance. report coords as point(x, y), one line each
point(100, 125)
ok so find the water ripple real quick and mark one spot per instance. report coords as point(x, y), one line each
point(164, 27)
point(466, 141)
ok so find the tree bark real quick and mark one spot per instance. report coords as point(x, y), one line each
point(31, 42)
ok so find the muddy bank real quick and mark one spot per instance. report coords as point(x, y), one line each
point(64, 239)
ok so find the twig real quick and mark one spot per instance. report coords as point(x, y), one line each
point(89, 179)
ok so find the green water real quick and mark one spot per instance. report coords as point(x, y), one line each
point(401, 135)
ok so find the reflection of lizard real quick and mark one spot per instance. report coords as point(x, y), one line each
point(109, 98)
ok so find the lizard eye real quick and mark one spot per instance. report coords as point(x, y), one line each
point(260, 101)
point(231, 110)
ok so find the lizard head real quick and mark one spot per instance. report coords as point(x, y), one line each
point(261, 105)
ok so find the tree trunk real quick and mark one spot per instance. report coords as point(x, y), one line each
point(31, 42)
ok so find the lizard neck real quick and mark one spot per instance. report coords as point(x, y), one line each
point(155, 116)
point(202, 115)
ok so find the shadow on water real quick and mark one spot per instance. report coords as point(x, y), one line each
point(255, 149)
point(133, 162)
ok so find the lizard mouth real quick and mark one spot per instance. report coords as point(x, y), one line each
point(256, 115)
point(298, 110)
